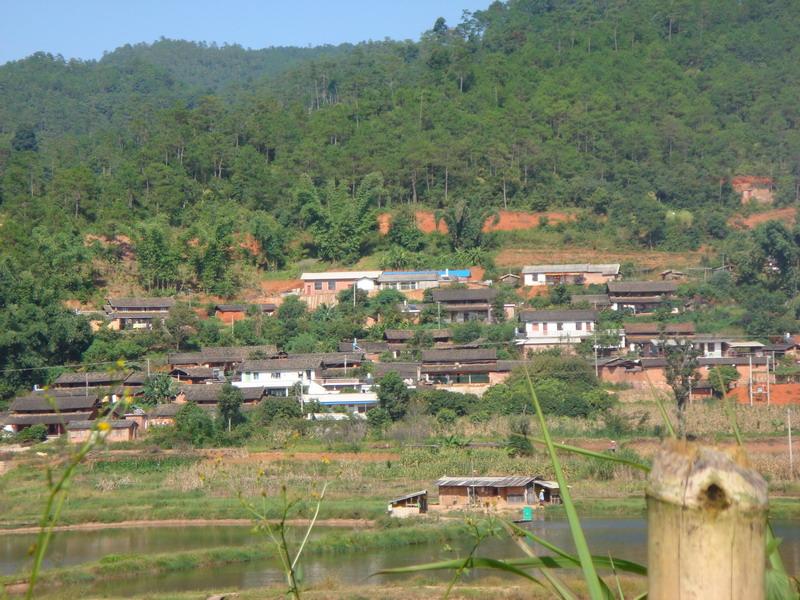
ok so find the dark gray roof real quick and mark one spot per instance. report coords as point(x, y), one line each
point(47, 419)
point(647, 287)
point(653, 328)
point(84, 425)
point(496, 482)
point(332, 359)
point(193, 372)
point(210, 392)
point(166, 410)
point(267, 307)
point(406, 370)
point(487, 367)
point(52, 403)
point(136, 378)
point(459, 355)
point(298, 363)
point(473, 306)
point(365, 346)
point(540, 316)
point(605, 269)
point(143, 316)
point(398, 335)
point(222, 354)
point(90, 378)
point(134, 303)
point(464, 295)
point(421, 276)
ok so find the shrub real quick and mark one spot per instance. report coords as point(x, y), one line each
point(437, 400)
point(194, 425)
point(446, 417)
point(277, 409)
point(34, 434)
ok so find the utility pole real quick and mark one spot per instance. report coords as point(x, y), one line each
point(768, 377)
point(750, 378)
point(596, 368)
point(791, 455)
point(148, 367)
point(354, 295)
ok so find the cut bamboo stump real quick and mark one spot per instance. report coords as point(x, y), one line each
point(706, 518)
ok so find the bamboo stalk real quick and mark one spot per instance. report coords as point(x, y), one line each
point(707, 525)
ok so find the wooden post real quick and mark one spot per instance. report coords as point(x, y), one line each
point(707, 515)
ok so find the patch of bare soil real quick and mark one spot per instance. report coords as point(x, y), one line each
point(786, 215)
point(510, 220)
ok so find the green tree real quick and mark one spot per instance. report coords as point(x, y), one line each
point(158, 388)
point(229, 406)
point(181, 323)
point(393, 395)
point(721, 377)
point(194, 425)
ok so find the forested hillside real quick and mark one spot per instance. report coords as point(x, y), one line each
point(633, 116)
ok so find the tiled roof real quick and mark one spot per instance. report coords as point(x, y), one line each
point(476, 355)
point(463, 295)
point(84, 425)
point(496, 482)
point(134, 303)
point(52, 403)
point(605, 269)
point(542, 316)
point(632, 287)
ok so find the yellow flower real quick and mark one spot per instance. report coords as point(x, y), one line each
point(104, 426)
point(120, 363)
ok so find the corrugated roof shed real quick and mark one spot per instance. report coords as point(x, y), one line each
point(497, 482)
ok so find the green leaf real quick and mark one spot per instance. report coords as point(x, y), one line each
point(594, 588)
point(600, 455)
point(476, 562)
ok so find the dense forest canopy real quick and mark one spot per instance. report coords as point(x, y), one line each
point(636, 115)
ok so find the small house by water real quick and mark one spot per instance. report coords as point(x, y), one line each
point(415, 503)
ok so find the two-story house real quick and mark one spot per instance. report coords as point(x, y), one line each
point(580, 274)
point(279, 376)
point(136, 313)
point(461, 305)
point(540, 329)
point(640, 296)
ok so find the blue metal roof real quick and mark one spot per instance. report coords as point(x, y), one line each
point(463, 273)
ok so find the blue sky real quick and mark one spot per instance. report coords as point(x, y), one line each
point(87, 28)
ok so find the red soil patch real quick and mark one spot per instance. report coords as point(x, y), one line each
point(279, 286)
point(510, 220)
point(786, 215)
point(779, 394)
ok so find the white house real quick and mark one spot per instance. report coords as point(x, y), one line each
point(279, 375)
point(547, 328)
point(582, 274)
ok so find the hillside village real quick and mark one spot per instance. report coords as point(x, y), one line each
point(626, 330)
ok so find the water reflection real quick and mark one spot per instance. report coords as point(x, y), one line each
point(624, 538)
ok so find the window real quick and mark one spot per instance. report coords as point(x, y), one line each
point(579, 326)
point(515, 499)
point(559, 326)
point(308, 374)
point(317, 285)
point(408, 285)
point(331, 286)
point(276, 375)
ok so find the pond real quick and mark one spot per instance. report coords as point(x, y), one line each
point(624, 538)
